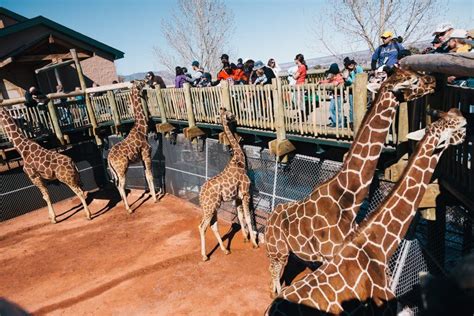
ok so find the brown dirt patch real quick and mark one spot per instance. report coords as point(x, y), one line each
point(146, 263)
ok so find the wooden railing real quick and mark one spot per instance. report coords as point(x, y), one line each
point(305, 109)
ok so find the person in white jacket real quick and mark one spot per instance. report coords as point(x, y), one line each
point(272, 64)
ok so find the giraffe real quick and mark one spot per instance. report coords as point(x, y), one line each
point(231, 184)
point(316, 226)
point(134, 147)
point(358, 272)
point(41, 164)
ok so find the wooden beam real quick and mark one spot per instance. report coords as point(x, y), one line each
point(29, 58)
point(459, 64)
point(52, 66)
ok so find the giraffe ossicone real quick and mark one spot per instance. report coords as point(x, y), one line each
point(41, 164)
point(232, 183)
point(133, 148)
point(314, 228)
point(357, 274)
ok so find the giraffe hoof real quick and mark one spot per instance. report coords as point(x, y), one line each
point(227, 252)
point(53, 221)
point(246, 240)
point(129, 211)
point(205, 258)
point(255, 246)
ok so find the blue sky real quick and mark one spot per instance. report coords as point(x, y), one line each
point(263, 28)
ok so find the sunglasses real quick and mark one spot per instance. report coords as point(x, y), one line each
point(383, 37)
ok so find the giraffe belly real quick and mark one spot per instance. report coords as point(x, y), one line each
point(229, 193)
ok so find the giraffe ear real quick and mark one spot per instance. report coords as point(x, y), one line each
point(416, 135)
point(444, 139)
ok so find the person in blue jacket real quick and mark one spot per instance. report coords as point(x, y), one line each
point(387, 53)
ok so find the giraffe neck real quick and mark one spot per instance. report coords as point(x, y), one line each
point(13, 132)
point(387, 225)
point(358, 169)
point(238, 153)
point(140, 120)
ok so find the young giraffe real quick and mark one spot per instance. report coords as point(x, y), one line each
point(358, 272)
point(42, 164)
point(313, 228)
point(134, 147)
point(231, 184)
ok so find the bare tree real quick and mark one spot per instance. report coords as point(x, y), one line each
point(199, 30)
point(365, 20)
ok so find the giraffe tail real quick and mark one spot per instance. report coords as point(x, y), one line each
point(78, 177)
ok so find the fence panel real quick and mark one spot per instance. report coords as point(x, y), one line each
point(32, 121)
point(124, 105)
point(152, 102)
point(206, 104)
point(175, 104)
point(102, 109)
point(253, 106)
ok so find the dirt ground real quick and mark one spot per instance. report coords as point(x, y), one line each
point(147, 263)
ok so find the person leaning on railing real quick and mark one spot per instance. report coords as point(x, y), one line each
point(34, 98)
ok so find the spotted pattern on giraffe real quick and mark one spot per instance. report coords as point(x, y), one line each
point(133, 148)
point(41, 164)
point(231, 184)
point(314, 228)
point(359, 271)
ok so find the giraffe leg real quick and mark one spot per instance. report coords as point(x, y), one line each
point(206, 220)
point(121, 188)
point(240, 215)
point(80, 195)
point(44, 191)
point(148, 173)
point(276, 267)
point(215, 230)
point(246, 203)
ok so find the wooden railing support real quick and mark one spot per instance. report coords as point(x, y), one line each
point(114, 109)
point(281, 146)
point(82, 82)
point(192, 131)
point(54, 120)
point(226, 105)
point(164, 127)
point(359, 99)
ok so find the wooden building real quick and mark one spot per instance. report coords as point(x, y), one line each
point(27, 45)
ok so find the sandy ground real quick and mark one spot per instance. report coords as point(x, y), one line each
point(147, 263)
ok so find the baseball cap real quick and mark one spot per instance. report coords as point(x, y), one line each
point(387, 34)
point(443, 27)
point(258, 64)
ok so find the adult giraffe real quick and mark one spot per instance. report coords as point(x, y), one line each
point(314, 228)
point(133, 148)
point(357, 274)
point(231, 184)
point(41, 164)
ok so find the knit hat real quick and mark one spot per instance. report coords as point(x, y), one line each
point(195, 63)
point(225, 56)
point(258, 64)
point(333, 69)
point(348, 61)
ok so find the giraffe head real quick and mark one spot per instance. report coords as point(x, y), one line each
point(450, 124)
point(138, 86)
point(409, 84)
point(226, 116)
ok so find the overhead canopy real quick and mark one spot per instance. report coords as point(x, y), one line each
point(459, 64)
point(47, 49)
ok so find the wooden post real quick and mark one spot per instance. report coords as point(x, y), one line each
point(279, 146)
point(226, 105)
point(113, 107)
point(192, 131)
point(359, 99)
point(86, 96)
point(55, 122)
point(165, 127)
point(402, 123)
